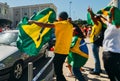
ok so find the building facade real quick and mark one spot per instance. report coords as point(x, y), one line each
point(27, 11)
point(4, 14)
point(12, 15)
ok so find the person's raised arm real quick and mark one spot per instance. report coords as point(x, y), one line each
point(111, 16)
point(91, 12)
point(41, 24)
point(92, 15)
point(103, 19)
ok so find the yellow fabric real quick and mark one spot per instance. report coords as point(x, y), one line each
point(95, 30)
point(64, 33)
point(105, 12)
point(33, 30)
point(78, 51)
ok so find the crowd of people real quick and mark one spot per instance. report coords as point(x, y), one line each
point(70, 45)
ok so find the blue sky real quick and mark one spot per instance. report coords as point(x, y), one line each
point(78, 7)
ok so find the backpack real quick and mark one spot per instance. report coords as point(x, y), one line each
point(98, 39)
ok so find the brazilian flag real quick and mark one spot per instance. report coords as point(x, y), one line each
point(31, 36)
point(106, 12)
point(78, 54)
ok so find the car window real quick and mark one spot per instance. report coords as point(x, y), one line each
point(8, 37)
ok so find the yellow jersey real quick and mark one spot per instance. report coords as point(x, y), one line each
point(95, 30)
point(64, 34)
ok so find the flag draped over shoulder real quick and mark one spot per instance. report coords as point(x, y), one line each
point(31, 36)
point(78, 55)
point(106, 12)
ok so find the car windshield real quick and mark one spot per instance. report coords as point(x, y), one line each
point(8, 38)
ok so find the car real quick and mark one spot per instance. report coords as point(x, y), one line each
point(12, 60)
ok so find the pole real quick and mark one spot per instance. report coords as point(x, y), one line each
point(30, 71)
point(70, 8)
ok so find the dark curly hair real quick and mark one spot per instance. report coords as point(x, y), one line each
point(63, 15)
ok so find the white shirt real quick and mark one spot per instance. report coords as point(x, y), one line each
point(111, 40)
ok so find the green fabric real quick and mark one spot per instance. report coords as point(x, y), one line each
point(74, 39)
point(31, 36)
point(116, 20)
point(75, 59)
point(89, 20)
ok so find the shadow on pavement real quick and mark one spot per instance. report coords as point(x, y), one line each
point(102, 77)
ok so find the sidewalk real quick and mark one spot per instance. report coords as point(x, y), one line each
point(89, 65)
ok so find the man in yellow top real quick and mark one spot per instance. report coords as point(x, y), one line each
point(63, 33)
point(95, 48)
point(96, 28)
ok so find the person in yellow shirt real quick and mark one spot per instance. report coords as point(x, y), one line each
point(78, 31)
point(96, 28)
point(63, 34)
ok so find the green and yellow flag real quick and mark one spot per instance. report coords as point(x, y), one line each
point(106, 12)
point(79, 52)
point(89, 19)
point(31, 36)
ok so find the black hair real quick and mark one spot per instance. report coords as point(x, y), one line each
point(78, 31)
point(69, 18)
point(63, 15)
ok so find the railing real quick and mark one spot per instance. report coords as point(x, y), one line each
point(30, 70)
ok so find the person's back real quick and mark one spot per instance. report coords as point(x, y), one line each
point(63, 32)
point(111, 46)
point(111, 40)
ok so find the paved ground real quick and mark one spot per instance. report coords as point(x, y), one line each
point(89, 65)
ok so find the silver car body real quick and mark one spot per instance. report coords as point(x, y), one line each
point(10, 54)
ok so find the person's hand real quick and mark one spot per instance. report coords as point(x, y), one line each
point(89, 9)
point(41, 24)
point(31, 21)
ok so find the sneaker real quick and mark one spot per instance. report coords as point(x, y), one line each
point(93, 70)
point(94, 73)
